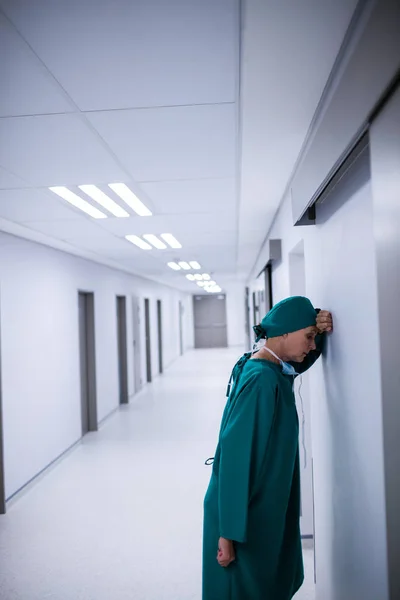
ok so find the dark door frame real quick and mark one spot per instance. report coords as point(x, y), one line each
point(148, 339)
point(268, 287)
point(255, 309)
point(91, 359)
point(122, 350)
point(247, 325)
point(136, 324)
point(160, 337)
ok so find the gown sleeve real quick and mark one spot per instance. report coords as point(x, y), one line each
point(311, 356)
point(243, 445)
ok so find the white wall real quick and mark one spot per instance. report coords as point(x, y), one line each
point(257, 286)
point(298, 287)
point(40, 348)
point(235, 312)
point(345, 390)
point(385, 158)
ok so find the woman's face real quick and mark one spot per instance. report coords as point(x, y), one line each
point(298, 344)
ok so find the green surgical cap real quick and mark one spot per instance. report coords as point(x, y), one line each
point(287, 316)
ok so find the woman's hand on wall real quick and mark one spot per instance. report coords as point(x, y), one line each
point(324, 321)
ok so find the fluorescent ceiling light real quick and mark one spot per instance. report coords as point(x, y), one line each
point(190, 277)
point(134, 239)
point(198, 277)
point(184, 265)
point(171, 240)
point(194, 264)
point(200, 283)
point(106, 202)
point(174, 266)
point(206, 277)
point(131, 200)
point(154, 241)
point(78, 202)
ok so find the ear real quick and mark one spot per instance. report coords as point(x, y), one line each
point(285, 335)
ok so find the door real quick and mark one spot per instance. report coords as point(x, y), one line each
point(87, 362)
point(148, 339)
point(122, 350)
point(160, 339)
point(136, 344)
point(210, 329)
point(268, 288)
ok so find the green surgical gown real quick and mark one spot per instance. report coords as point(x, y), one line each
point(254, 494)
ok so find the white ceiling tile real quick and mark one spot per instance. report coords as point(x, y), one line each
point(178, 225)
point(256, 220)
point(66, 230)
point(253, 237)
point(33, 205)
point(183, 158)
point(132, 225)
point(103, 243)
point(192, 196)
point(26, 88)
point(193, 142)
point(138, 53)
point(55, 150)
point(247, 256)
point(216, 239)
point(9, 180)
point(214, 257)
point(145, 262)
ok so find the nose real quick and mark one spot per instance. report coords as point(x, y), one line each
point(313, 346)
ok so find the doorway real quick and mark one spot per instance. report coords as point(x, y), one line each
point(122, 350)
point(87, 362)
point(148, 339)
point(160, 338)
point(210, 325)
point(136, 344)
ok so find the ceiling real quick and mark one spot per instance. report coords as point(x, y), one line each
point(200, 112)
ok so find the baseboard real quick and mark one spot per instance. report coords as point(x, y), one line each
point(34, 480)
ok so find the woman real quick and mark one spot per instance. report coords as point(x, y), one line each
point(252, 544)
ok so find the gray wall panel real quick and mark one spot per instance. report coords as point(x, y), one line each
point(366, 70)
point(385, 157)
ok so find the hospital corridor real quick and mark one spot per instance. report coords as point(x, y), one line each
point(121, 515)
point(199, 291)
